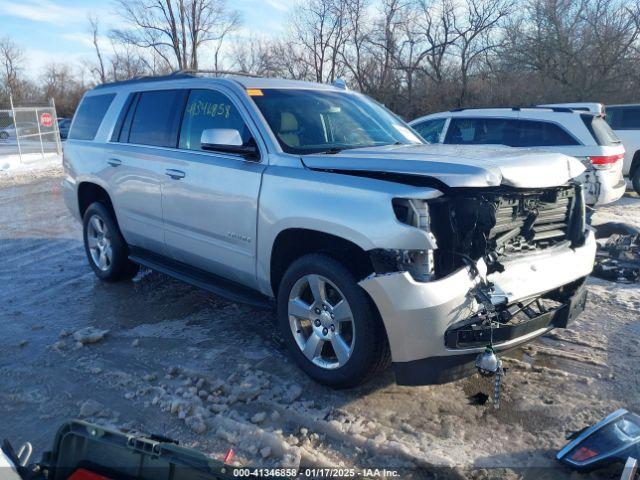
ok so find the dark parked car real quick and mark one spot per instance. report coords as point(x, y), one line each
point(63, 127)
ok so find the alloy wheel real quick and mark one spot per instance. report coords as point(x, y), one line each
point(321, 321)
point(99, 242)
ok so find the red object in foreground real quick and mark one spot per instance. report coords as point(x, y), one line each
point(229, 456)
point(583, 453)
point(46, 119)
point(82, 474)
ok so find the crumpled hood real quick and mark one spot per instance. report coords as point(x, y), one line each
point(457, 165)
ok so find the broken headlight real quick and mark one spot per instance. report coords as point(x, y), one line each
point(419, 263)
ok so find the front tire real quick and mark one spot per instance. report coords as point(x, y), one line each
point(104, 245)
point(328, 323)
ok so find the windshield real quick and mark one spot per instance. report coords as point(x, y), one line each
point(313, 121)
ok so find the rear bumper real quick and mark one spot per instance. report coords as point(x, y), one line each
point(611, 191)
point(417, 315)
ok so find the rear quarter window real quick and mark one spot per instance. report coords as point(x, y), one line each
point(89, 116)
point(600, 130)
point(533, 133)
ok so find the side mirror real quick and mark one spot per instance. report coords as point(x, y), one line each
point(227, 140)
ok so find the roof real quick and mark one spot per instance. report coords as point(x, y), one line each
point(244, 80)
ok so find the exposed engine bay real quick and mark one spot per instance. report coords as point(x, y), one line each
point(498, 224)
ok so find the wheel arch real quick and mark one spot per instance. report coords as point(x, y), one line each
point(89, 192)
point(292, 243)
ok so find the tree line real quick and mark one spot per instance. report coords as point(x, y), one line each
point(415, 56)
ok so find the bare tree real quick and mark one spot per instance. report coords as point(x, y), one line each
point(175, 30)
point(587, 48)
point(477, 36)
point(11, 62)
point(99, 69)
point(60, 82)
point(321, 28)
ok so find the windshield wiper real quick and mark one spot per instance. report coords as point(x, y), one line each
point(333, 150)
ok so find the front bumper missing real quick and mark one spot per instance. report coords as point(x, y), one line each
point(443, 369)
point(418, 316)
point(480, 336)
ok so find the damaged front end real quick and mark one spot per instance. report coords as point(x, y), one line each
point(502, 266)
point(499, 224)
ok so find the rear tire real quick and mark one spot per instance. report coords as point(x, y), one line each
point(106, 249)
point(337, 344)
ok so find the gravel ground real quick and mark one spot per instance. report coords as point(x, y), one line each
point(157, 356)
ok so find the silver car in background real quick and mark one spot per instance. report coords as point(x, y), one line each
point(373, 246)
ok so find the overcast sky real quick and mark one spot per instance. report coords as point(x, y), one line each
point(57, 30)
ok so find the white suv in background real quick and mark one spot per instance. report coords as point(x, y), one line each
point(580, 134)
point(625, 122)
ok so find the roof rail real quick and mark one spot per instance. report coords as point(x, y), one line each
point(175, 75)
point(146, 78)
point(239, 73)
point(515, 109)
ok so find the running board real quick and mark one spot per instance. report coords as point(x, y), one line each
point(201, 279)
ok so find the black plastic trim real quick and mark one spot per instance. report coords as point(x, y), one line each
point(201, 279)
point(467, 337)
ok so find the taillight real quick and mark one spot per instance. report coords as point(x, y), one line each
point(605, 161)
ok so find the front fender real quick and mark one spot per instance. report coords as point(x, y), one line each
point(356, 209)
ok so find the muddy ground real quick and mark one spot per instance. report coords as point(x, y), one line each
point(212, 374)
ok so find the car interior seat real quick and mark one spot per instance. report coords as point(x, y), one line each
point(289, 130)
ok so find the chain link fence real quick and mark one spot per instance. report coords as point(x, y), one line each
point(31, 133)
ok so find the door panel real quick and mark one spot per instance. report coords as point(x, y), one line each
point(149, 126)
point(136, 186)
point(210, 199)
point(210, 214)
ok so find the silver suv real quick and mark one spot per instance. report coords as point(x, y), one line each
point(372, 245)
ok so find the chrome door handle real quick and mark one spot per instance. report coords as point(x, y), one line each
point(175, 174)
point(114, 162)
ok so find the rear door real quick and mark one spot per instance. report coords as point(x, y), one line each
point(210, 204)
point(145, 136)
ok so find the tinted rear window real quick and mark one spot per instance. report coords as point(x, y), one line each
point(482, 131)
point(624, 118)
point(89, 116)
point(543, 134)
point(600, 130)
point(156, 120)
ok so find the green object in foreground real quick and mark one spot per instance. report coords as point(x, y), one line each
point(120, 455)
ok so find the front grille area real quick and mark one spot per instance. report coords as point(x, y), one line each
point(497, 223)
point(530, 221)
